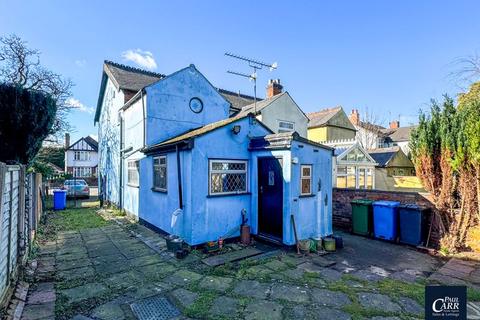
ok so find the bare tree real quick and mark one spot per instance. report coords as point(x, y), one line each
point(369, 129)
point(20, 65)
point(466, 70)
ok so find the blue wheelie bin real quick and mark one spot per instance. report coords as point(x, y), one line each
point(385, 219)
point(412, 221)
point(59, 199)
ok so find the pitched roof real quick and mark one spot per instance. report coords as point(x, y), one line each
point(89, 140)
point(373, 127)
point(130, 78)
point(237, 100)
point(320, 118)
point(402, 133)
point(199, 132)
point(134, 79)
point(383, 155)
point(261, 104)
point(92, 142)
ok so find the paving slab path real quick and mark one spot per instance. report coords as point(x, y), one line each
point(104, 272)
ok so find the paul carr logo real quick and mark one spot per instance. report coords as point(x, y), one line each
point(445, 302)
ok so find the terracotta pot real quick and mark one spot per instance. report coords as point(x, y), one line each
point(245, 235)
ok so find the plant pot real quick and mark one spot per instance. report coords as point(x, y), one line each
point(304, 245)
point(318, 243)
point(176, 244)
point(245, 235)
point(169, 240)
point(211, 246)
point(329, 244)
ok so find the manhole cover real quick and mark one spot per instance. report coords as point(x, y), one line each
point(154, 308)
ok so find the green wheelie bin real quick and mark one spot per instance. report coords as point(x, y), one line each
point(362, 216)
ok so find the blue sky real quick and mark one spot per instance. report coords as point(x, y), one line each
point(390, 57)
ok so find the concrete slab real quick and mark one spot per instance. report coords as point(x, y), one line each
point(220, 284)
point(362, 253)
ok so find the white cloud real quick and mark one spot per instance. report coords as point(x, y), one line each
point(81, 63)
point(76, 104)
point(142, 58)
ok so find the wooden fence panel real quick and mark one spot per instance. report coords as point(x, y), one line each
point(4, 229)
point(20, 211)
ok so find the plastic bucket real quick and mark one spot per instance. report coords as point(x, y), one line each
point(329, 244)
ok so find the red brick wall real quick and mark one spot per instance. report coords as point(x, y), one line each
point(342, 209)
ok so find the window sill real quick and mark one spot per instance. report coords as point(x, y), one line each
point(159, 190)
point(133, 185)
point(228, 195)
point(306, 195)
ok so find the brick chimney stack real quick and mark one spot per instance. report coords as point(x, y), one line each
point(395, 124)
point(274, 87)
point(67, 140)
point(354, 117)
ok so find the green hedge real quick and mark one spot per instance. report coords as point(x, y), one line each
point(26, 119)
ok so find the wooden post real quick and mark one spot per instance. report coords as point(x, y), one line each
point(21, 212)
point(9, 248)
point(3, 169)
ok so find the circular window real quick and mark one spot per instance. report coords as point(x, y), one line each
point(196, 105)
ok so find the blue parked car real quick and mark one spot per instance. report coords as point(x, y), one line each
point(77, 188)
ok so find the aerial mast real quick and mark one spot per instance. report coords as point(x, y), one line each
point(255, 65)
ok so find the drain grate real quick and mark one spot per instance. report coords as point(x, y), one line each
point(154, 308)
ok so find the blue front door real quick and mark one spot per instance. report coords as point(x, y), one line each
point(270, 198)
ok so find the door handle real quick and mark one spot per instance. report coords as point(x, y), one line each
point(261, 189)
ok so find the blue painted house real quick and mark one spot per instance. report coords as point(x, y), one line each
point(171, 155)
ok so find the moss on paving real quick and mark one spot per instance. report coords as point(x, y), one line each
point(202, 305)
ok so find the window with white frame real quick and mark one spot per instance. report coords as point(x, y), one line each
point(354, 177)
point(285, 126)
point(160, 173)
point(83, 172)
point(305, 179)
point(227, 176)
point(133, 172)
point(82, 156)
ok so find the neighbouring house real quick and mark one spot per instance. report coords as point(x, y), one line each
point(81, 157)
point(56, 170)
point(373, 136)
point(353, 167)
point(173, 157)
point(398, 136)
point(279, 111)
point(369, 135)
point(329, 125)
point(395, 171)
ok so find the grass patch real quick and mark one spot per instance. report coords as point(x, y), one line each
point(201, 307)
point(397, 289)
point(473, 294)
point(357, 312)
point(77, 219)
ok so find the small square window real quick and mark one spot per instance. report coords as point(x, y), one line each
point(285, 126)
point(306, 180)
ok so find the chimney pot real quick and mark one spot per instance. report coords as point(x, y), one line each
point(67, 140)
point(274, 87)
point(354, 117)
point(395, 124)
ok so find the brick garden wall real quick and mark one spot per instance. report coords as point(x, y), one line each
point(342, 209)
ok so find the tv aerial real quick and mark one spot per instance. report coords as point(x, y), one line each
point(255, 65)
